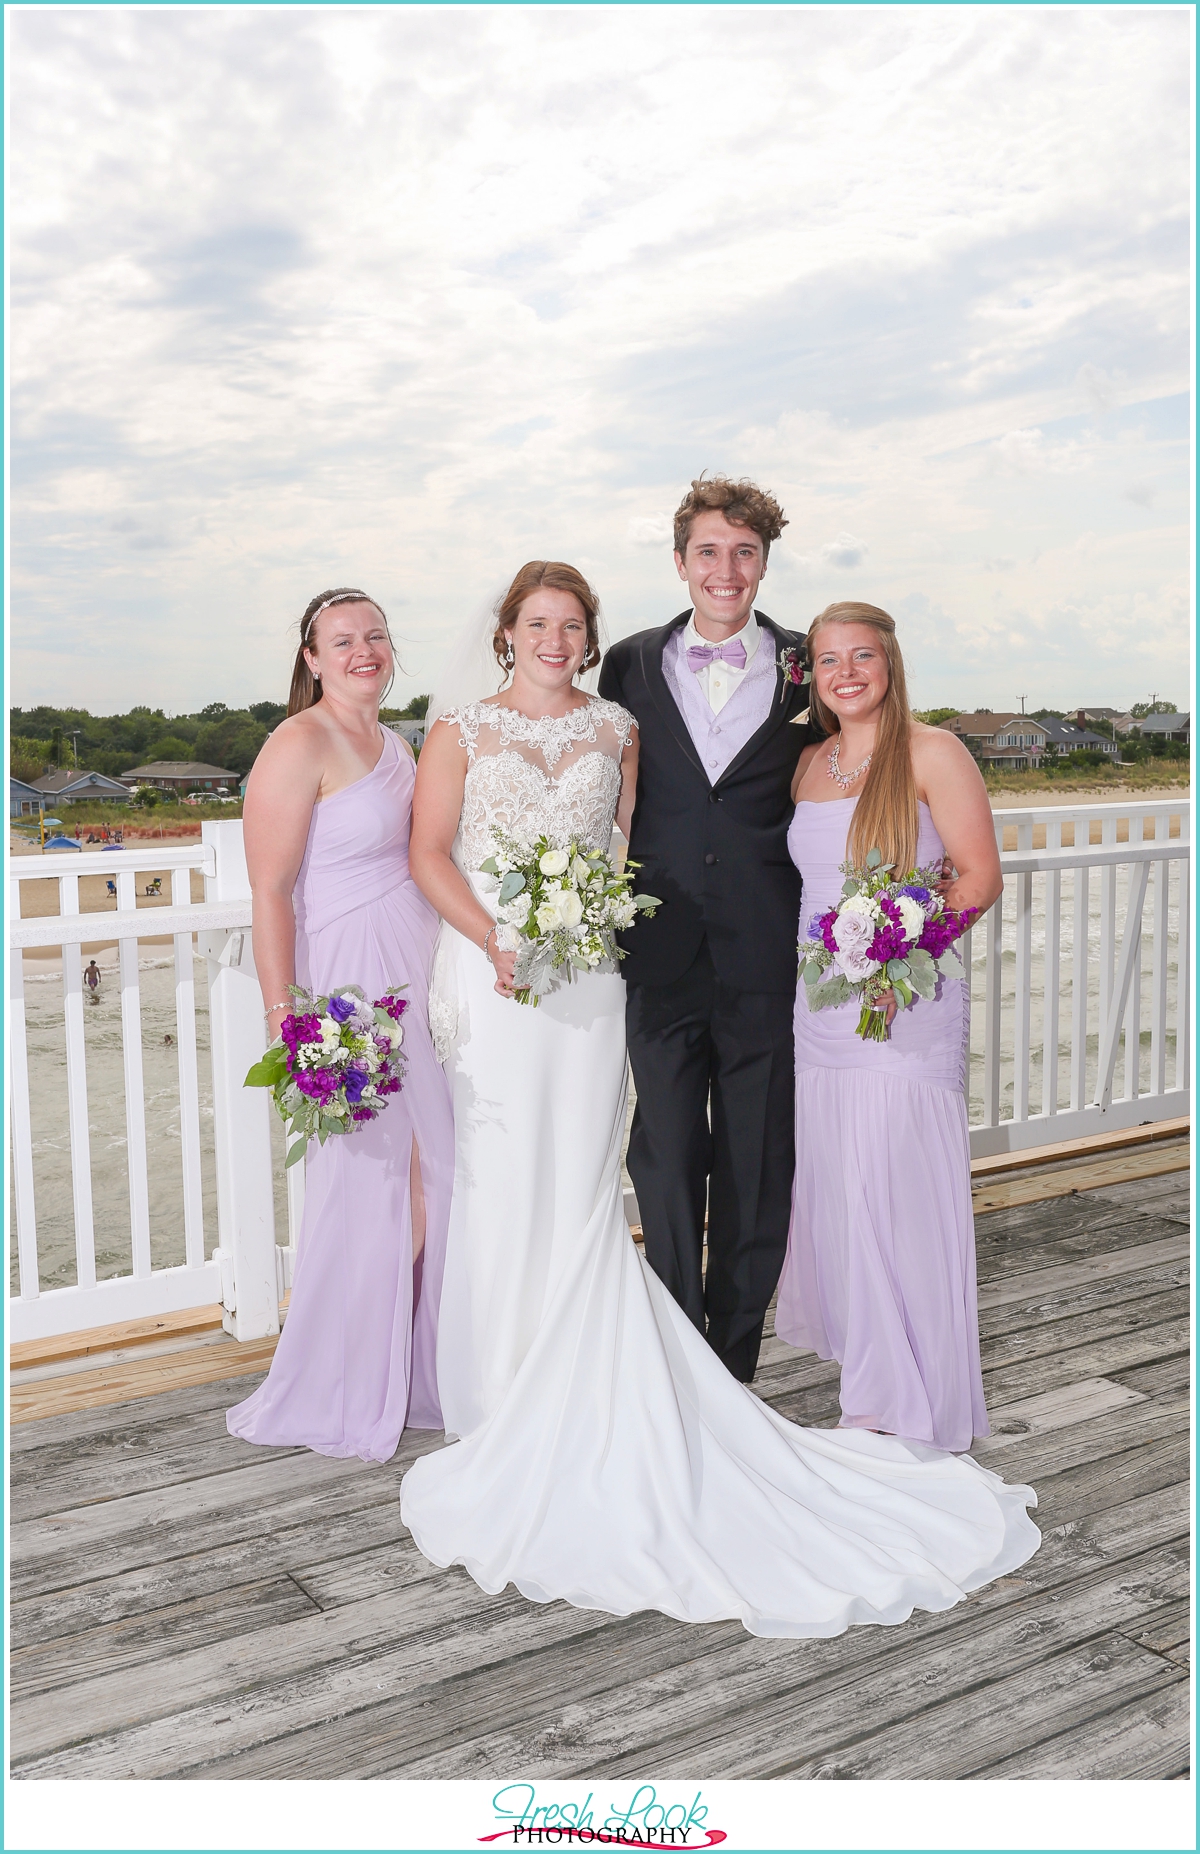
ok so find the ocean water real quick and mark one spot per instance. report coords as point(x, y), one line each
point(106, 1097)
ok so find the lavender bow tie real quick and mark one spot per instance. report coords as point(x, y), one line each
point(699, 656)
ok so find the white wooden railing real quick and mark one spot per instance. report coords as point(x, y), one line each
point(246, 1271)
point(1080, 1009)
point(1081, 1000)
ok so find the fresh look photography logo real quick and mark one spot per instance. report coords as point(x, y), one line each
point(648, 1820)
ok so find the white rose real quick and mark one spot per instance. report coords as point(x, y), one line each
point(548, 918)
point(554, 862)
point(852, 935)
point(912, 917)
point(570, 908)
point(580, 873)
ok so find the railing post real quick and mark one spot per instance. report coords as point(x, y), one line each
point(241, 1123)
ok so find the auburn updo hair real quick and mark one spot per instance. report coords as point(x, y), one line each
point(555, 576)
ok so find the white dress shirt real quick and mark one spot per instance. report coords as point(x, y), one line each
point(719, 679)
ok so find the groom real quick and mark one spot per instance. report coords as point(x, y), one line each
point(712, 976)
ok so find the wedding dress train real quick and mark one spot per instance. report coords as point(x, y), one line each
point(606, 1455)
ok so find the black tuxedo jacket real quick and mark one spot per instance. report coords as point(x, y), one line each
point(716, 855)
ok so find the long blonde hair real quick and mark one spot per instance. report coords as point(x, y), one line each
point(885, 817)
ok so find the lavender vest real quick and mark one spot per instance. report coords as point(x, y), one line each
point(718, 739)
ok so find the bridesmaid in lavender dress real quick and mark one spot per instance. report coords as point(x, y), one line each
point(880, 1268)
point(327, 819)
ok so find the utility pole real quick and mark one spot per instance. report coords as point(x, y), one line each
point(75, 733)
point(1021, 699)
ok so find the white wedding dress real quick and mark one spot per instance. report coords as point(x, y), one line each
point(606, 1456)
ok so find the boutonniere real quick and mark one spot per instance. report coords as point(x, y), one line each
point(794, 670)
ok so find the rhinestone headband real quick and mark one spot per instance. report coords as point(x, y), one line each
point(340, 598)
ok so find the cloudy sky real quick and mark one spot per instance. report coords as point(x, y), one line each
point(402, 296)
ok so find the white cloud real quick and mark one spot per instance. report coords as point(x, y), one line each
point(651, 530)
point(405, 296)
point(844, 551)
point(1028, 453)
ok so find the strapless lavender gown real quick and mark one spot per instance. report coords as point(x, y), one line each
point(880, 1268)
point(356, 1361)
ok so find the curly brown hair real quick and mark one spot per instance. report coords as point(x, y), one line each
point(742, 502)
point(557, 576)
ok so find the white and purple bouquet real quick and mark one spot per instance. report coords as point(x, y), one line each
point(334, 1063)
point(884, 936)
point(560, 910)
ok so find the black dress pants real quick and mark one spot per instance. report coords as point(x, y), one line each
point(714, 1071)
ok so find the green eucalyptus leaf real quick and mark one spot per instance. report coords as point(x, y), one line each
point(295, 1153)
point(512, 885)
point(874, 858)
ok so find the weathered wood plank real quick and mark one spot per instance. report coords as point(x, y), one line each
point(801, 1698)
point(1114, 1357)
point(228, 1614)
point(63, 1549)
point(1066, 1336)
point(1057, 1293)
point(998, 1258)
point(1149, 1193)
point(138, 1378)
point(1001, 1193)
point(951, 1739)
point(1165, 1629)
point(205, 1570)
point(1160, 1378)
point(31, 1438)
point(1035, 1452)
point(357, 1577)
point(1052, 1409)
point(134, 1468)
point(1142, 1542)
point(308, 1671)
point(1144, 1739)
point(1137, 1471)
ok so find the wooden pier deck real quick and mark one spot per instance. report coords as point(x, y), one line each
point(187, 1606)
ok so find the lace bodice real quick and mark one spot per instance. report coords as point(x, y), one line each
point(512, 782)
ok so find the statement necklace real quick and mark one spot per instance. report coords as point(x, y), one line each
point(845, 780)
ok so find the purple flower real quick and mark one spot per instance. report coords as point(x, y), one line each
point(395, 1007)
point(943, 930)
point(296, 1030)
point(355, 1081)
point(821, 928)
point(340, 1009)
point(889, 942)
point(917, 892)
point(319, 1083)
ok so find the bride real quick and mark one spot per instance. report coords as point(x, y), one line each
point(606, 1455)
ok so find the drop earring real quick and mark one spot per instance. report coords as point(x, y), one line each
point(508, 656)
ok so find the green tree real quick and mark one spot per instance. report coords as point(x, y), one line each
point(932, 717)
point(270, 714)
point(169, 747)
point(27, 759)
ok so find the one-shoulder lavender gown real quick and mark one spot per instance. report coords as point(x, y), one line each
point(356, 1361)
point(880, 1268)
